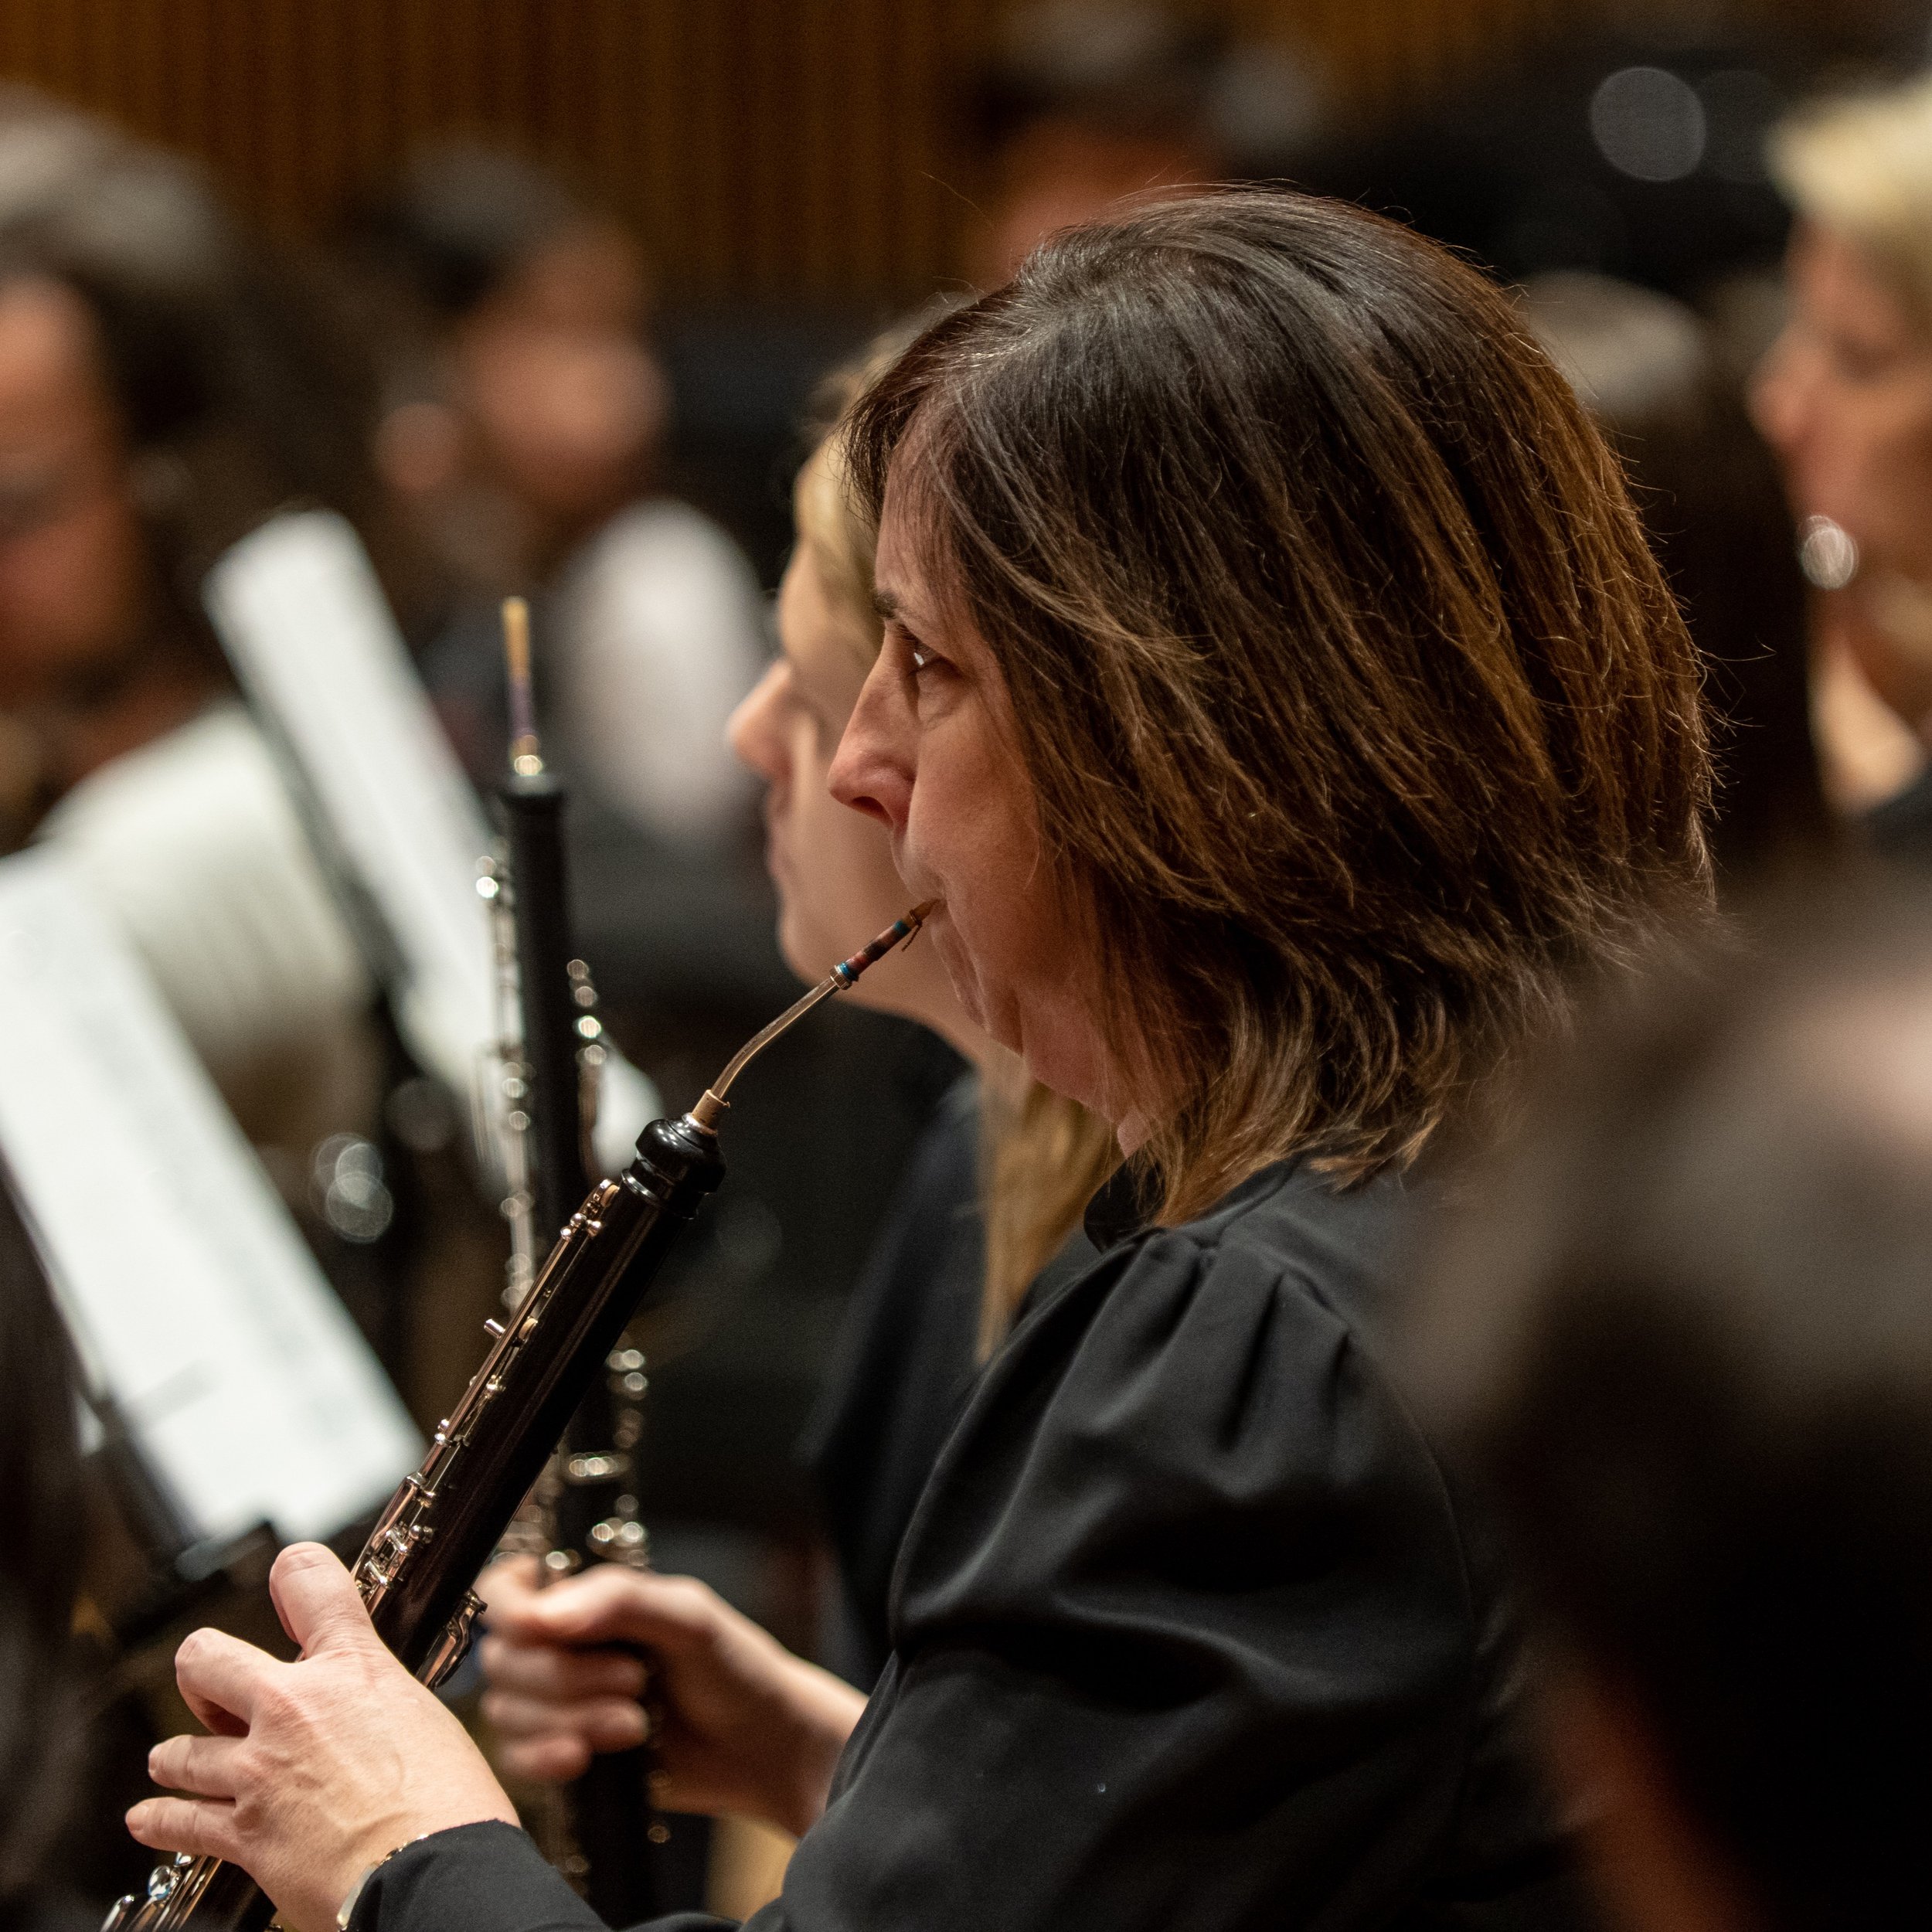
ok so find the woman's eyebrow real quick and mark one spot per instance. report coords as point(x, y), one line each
point(910, 612)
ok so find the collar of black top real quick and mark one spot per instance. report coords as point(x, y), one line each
point(1122, 1209)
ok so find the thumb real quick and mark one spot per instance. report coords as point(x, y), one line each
point(510, 1582)
point(318, 1601)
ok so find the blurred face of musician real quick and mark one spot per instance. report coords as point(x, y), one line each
point(72, 559)
point(1845, 395)
point(1061, 170)
point(931, 753)
point(563, 397)
point(833, 869)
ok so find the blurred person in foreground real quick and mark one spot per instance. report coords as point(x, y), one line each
point(1683, 1333)
point(1845, 395)
point(524, 432)
point(1708, 491)
point(162, 391)
point(992, 1194)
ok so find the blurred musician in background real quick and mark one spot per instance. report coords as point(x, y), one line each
point(1683, 1332)
point(161, 392)
point(524, 434)
point(1708, 492)
point(992, 1194)
point(524, 427)
point(1088, 105)
point(1845, 395)
point(996, 1189)
point(1279, 699)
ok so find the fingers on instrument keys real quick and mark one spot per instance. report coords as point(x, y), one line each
point(505, 1585)
point(317, 1600)
point(204, 1827)
point(553, 1759)
point(610, 1604)
point(206, 1767)
point(220, 1677)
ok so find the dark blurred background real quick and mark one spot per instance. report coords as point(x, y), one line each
point(767, 149)
point(798, 170)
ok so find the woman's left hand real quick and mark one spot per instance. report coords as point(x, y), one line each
point(317, 1768)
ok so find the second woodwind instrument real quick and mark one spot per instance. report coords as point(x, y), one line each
point(443, 1522)
point(584, 1508)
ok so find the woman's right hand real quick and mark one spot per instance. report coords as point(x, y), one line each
point(746, 1727)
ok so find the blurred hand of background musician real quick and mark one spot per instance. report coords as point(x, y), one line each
point(746, 1728)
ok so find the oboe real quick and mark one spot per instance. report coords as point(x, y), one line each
point(585, 1507)
point(443, 1522)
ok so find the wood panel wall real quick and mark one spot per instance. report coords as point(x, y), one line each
point(778, 148)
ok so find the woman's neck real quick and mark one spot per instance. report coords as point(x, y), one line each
point(979, 1050)
point(920, 992)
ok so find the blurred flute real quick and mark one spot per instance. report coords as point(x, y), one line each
point(444, 1522)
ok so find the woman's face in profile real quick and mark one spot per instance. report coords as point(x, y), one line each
point(931, 752)
point(1844, 396)
point(832, 868)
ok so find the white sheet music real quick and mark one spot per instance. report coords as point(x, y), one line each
point(304, 620)
point(191, 1298)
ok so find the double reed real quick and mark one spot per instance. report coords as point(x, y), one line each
point(443, 1524)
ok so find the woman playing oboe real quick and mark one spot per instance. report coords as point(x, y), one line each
point(1279, 698)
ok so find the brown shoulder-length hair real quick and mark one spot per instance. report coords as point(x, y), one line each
point(1359, 715)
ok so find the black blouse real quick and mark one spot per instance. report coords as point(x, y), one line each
point(905, 1362)
point(899, 1374)
point(1190, 1634)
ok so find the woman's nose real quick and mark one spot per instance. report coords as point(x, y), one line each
point(872, 770)
point(1781, 393)
point(751, 730)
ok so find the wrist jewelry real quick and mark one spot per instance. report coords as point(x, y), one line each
point(356, 1890)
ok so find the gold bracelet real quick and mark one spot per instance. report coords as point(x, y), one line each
point(356, 1890)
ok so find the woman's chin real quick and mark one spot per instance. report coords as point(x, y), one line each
point(959, 969)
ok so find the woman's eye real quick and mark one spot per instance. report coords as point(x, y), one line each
point(918, 661)
point(1864, 361)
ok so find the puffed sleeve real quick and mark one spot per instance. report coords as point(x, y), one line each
point(1186, 1640)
